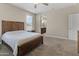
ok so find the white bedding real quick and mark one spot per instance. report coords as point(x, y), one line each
point(17, 38)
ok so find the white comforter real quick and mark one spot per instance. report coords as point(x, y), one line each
point(17, 38)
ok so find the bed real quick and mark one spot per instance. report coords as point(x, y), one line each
point(21, 42)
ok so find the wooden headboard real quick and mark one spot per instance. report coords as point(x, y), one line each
point(12, 26)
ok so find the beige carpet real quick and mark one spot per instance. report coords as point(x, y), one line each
point(51, 47)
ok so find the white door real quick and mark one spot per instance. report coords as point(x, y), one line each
point(73, 26)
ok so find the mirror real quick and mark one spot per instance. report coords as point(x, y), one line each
point(43, 22)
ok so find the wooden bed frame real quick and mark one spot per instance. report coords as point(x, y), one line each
point(26, 47)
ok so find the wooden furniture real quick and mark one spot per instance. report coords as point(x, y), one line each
point(26, 47)
point(43, 30)
point(29, 46)
point(11, 26)
point(32, 31)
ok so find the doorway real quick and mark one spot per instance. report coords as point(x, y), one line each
point(43, 24)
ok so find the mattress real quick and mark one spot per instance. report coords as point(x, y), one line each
point(17, 38)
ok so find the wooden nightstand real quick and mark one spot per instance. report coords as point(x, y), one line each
point(43, 30)
point(31, 31)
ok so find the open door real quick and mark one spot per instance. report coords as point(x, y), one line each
point(73, 33)
point(78, 41)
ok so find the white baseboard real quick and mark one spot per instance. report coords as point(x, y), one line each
point(55, 36)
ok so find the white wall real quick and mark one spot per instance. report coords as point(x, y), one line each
point(38, 23)
point(56, 24)
point(11, 13)
point(57, 21)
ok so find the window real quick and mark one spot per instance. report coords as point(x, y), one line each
point(29, 20)
point(29, 23)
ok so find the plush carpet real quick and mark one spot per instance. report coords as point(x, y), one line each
point(51, 47)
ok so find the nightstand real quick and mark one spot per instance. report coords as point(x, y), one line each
point(31, 30)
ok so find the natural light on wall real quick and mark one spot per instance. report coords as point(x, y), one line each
point(29, 23)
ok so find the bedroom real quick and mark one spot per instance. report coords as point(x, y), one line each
point(13, 20)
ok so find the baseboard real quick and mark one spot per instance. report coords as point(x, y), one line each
point(55, 36)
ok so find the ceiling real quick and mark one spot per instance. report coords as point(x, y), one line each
point(40, 7)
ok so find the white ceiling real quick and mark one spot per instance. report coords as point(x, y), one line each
point(40, 7)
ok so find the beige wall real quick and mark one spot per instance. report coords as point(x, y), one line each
point(57, 21)
point(9, 12)
point(38, 23)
